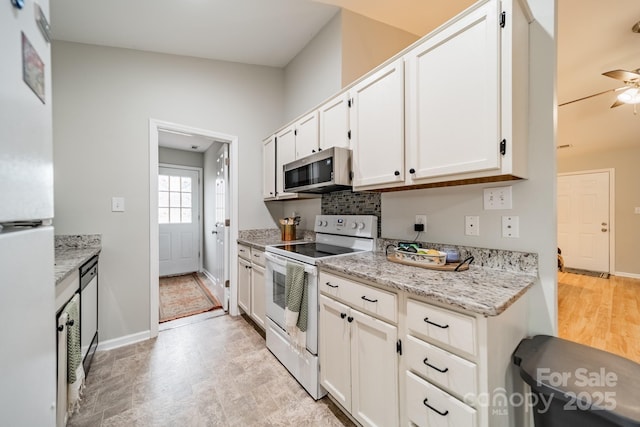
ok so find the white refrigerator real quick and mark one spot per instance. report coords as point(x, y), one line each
point(27, 287)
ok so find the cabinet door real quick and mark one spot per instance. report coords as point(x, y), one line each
point(334, 350)
point(269, 168)
point(377, 127)
point(285, 153)
point(374, 371)
point(244, 285)
point(258, 303)
point(306, 134)
point(453, 93)
point(334, 122)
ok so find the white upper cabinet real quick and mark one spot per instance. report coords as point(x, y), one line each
point(306, 135)
point(461, 98)
point(334, 122)
point(453, 98)
point(285, 153)
point(377, 127)
point(269, 168)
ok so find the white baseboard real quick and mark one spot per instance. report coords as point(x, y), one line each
point(209, 276)
point(125, 340)
point(630, 275)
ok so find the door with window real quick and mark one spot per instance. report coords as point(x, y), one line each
point(179, 220)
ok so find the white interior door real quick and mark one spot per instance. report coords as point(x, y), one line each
point(221, 272)
point(179, 220)
point(583, 220)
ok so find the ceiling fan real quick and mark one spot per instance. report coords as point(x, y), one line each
point(629, 93)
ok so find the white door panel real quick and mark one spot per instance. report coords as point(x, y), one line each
point(179, 218)
point(583, 220)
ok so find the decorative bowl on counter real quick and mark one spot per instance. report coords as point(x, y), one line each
point(422, 256)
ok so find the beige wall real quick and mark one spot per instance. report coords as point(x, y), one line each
point(103, 99)
point(627, 197)
point(367, 43)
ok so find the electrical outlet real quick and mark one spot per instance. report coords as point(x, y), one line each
point(510, 226)
point(472, 225)
point(421, 219)
point(497, 198)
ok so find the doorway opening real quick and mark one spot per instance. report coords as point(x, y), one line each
point(193, 208)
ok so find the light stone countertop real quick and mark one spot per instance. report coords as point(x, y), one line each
point(480, 290)
point(73, 251)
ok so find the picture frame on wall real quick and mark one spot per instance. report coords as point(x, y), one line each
point(32, 69)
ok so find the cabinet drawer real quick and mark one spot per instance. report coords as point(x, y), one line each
point(427, 405)
point(441, 367)
point(380, 303)
point(257, 257)
point(450, 328)
point(244, 251)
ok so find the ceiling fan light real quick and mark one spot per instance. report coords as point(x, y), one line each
point(630, 96)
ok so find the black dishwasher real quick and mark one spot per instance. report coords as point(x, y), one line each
point(88, 311)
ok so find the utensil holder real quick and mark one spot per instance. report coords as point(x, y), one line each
point(288, 232)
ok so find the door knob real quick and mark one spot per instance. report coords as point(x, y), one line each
point(604, 223)
point(603, 229)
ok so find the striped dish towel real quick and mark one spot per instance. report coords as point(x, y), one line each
point(75, 371)
point(297, 301)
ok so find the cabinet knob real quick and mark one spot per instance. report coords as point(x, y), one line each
point(313, 151)
point(60, 328)
point(349, 319)
point(412, 170)
point(397, 173)
point(70, 322)
point(343, 315)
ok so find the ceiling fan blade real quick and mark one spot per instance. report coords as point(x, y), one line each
point(587, 97)
point(617, 104)
point(625, 76)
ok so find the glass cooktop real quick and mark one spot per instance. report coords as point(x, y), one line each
point(316, 250)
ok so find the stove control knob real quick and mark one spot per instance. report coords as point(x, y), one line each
point(354, 225)
point(322, 223)
point(360, 225)
point(319, 223)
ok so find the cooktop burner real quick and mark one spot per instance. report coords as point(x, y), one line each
point(316, 250)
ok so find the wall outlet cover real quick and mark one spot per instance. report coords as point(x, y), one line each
point(510, 226)
point(117, 204)
point(472, 225)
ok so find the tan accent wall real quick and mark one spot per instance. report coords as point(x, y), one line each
point(367, 43)
point(627, 197)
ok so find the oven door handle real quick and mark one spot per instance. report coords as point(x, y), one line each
point(282, 261)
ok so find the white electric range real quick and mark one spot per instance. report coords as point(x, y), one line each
point(336, 235)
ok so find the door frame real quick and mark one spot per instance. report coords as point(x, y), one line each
point(154, 290)
point(612, 210)
point(200, 208)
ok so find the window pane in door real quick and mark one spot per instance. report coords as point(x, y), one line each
point(163, 182)
point(186, 200)
point(163, 199)
point(174, 183)
point(174, 200)
point(174, 215)
point(186, 216)
point(163, 215)
point(186, 184)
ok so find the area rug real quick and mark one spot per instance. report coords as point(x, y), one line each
point(186, 295)
point(587, 272)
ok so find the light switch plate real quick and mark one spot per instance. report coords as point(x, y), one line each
point(117, 204)
point(498, 198)
point(472, 225)
point(510, 226)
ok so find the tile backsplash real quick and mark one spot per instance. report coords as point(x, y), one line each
point(352, 203)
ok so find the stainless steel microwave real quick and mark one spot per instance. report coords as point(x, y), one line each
point(322, 172)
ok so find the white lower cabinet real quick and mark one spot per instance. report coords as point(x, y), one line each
point(251, 285)
point(358, 359)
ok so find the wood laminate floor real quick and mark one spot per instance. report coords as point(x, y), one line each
point(601, 313)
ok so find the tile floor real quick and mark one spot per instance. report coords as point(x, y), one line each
point(215, 372)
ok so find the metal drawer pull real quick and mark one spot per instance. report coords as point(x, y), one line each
point(331, 286)
point(434, 367)
point(370, 300)
point(434, 409)
point(426, 319)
